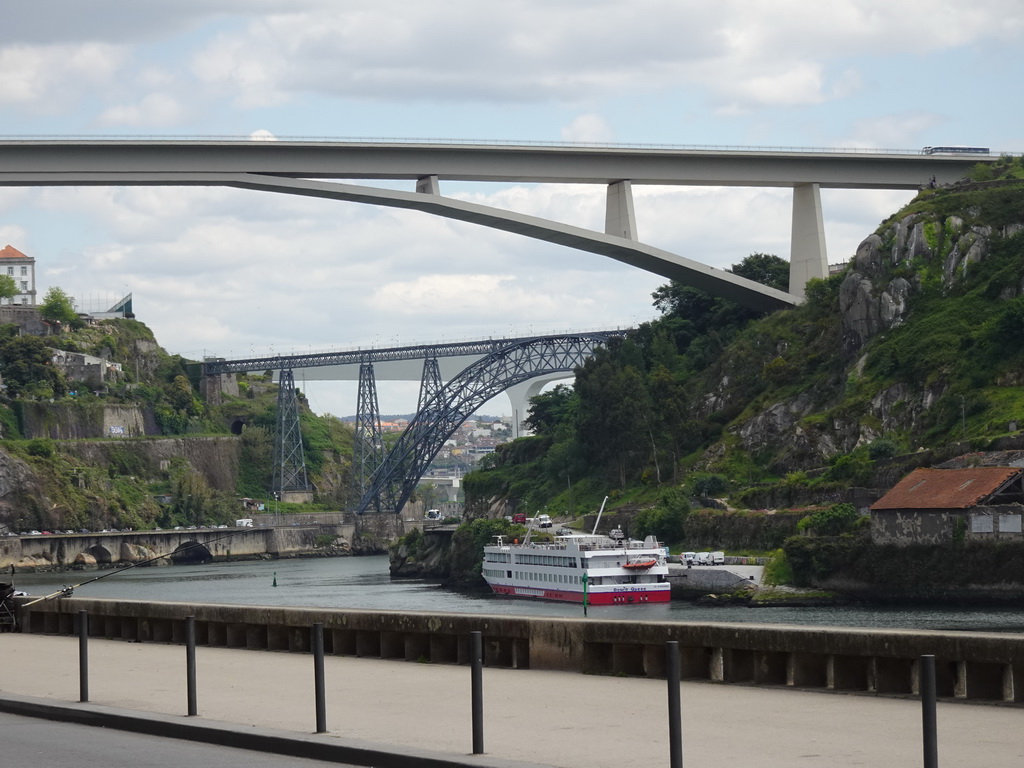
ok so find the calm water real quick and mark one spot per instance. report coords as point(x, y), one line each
point(363, 582)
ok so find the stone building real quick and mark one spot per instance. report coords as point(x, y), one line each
point(932, 506)
point(21, 269)
point(93, 371)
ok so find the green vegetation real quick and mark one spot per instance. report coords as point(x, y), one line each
point(8, 288)
point(783, 409)
point(777, 570)
point(468, 545)
point(920, 570)
point(833, 521)
point(58, 309)
point(120, 491)
point(665, 521)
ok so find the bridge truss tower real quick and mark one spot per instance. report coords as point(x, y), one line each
point(430, 383)
point(369, 438)
point(289, 459)
point(395, 479)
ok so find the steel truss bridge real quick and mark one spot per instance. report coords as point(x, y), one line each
point(386, 479)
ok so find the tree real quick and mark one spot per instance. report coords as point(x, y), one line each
point(765, 268)
point(57, 308)
point(26, 365)
point(8, 288)
point(550, 408)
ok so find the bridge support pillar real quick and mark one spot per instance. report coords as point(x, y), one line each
point(428, 185)
point(519, 396)
point(369, 440)
point(619, 218)
point(289, 461)
point(807, 255)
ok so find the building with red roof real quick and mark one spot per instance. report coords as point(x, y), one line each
point(931, 506)
point(21, 269)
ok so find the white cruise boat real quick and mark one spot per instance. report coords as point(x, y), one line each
point(609, 570)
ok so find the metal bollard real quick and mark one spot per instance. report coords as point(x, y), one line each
point(83, 656)
point(929, 728)
point(318, 677)
point(190, 664)
point(476, 647)
point(675, 722)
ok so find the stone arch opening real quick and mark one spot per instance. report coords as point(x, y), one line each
point(191, 552)
point(100, 554)
point(237, 426)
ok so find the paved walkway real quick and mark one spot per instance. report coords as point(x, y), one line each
point(561, 719)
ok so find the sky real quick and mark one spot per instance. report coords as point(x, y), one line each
point(235, 273)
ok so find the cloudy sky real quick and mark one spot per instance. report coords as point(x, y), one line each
point(237, 273)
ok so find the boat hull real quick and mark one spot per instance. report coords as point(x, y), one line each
point(593, 598)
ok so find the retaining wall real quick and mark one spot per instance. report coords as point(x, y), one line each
point(970, 666)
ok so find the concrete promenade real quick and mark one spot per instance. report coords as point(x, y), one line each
point(553, 718)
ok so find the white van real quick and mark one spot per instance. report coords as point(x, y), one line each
point(544, 521)
point(717, 558)
point(245, 522)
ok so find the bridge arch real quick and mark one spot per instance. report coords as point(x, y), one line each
point(100, 553)
point(191, 552)
point(393, 481)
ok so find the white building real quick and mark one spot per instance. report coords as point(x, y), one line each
point(21, 269)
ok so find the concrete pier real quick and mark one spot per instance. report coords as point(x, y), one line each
point(970, 666)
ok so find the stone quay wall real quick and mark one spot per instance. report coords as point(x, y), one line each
point(970, 666)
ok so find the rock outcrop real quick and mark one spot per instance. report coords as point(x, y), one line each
point(875, 297)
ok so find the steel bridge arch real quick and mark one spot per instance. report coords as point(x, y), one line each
point(392, 483)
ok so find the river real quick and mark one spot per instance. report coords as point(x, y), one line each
point(364, 582)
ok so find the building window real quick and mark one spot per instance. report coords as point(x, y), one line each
point(10, 270)
point(24, 271)
point(981, 523)
point(24, 285)
point(1009, 524)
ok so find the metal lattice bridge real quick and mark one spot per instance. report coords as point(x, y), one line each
point(385, 479)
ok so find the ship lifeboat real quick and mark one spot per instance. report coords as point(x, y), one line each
point(641, 564)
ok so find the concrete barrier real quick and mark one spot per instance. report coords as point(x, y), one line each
point(970, 666)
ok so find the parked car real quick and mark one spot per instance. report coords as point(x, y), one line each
point(702, 558)
point(686, 558)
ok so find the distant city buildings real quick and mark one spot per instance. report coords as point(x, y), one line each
point(21, 269)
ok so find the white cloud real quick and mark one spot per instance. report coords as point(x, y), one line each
point(589, 128)
point(745, 53)
point(154, 110)
point(47, 78)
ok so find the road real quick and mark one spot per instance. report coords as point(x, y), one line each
point(31, 742)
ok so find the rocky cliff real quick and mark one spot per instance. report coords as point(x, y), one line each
point(857, 378)
point(215, 458)
point(75, 421)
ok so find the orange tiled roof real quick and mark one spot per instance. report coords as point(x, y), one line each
point(945, 488)
point(10, 252)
